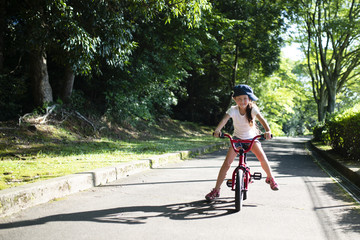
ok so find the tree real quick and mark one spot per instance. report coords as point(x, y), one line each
point(331, 47)
point(36, 28)
point(286, 100)
point(79, 36)
point(89, 33)
point(163, 30)
point(238, 40)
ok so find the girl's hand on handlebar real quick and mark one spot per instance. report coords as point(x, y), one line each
point(216, 133)
point(268, 135)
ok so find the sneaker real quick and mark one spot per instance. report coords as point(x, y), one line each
point(273, 185)
point(212, 195)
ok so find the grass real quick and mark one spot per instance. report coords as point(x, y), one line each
point(322, 146)
point(36, 152)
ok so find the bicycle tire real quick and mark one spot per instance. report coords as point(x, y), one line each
point(239, 190)
point(244, 190)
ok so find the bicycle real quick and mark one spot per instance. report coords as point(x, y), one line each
point(241, 176)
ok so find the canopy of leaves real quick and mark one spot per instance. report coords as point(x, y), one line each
point(140, 59)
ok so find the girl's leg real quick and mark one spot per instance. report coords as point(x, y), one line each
point(261, 156)
point(230, 156)
point(215, 192)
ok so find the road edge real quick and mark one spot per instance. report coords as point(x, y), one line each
point(345, 170)
point(18, 198)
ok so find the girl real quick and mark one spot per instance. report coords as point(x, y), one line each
point(243, 116)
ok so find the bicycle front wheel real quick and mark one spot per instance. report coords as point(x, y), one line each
point(239, 185)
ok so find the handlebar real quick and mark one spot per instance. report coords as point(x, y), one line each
point(233, 141)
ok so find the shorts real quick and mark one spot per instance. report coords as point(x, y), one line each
point(245, 146)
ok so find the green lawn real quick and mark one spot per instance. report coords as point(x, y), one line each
point(28, 157)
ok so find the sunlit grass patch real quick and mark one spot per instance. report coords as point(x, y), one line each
point(34, 157)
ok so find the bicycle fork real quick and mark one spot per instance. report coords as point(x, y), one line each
point(247, 177)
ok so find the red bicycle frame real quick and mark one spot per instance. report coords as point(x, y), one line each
point(242, 159)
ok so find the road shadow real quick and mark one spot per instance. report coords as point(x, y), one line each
point(195, 210)
point(291, 159)
point(347, 213)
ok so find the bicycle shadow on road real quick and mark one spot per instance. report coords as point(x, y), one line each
point(195, 210)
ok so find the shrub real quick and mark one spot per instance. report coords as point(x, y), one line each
point(318, 131)
point(276, 129)
point(342, 133)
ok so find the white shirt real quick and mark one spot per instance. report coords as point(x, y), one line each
point(242, 128)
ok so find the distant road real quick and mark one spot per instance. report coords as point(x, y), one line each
point(168, 203)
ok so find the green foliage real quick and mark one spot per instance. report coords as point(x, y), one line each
point(349, 95)
point(13, 90)
point(342, 132)
point(127, 107)
point(319, 132)
point(190, 12)
point(285, 100)
point(254, 27)
point(92, 37)
point(140, 60)
point(327, 30)
point(237, 40)
point(276, 129)
point(141, 98)
point(78, 101)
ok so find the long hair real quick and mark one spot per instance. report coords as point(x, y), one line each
point(248, 114)
point(249, 117)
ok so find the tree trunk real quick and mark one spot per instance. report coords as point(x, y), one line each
point(331, 96)
point(321, 104)
point(332, 51)
point(67, 84)
point(235, 67)
point(232, 81)
point(42, 91)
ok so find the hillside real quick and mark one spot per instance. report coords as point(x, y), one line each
point(47, 146)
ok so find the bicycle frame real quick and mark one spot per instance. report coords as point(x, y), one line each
point(242, 158)
point(240, 180)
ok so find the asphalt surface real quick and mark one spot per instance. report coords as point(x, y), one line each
point(168, 203)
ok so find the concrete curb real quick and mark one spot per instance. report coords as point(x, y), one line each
point(15, 199)
point(348, 172)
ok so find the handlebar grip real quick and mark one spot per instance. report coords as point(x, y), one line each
point(263, 136)
point(221, 135)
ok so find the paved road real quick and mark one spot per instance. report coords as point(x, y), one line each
point(167, 203)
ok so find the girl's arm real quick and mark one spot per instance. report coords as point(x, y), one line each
point(264, 123)
point(221, 125)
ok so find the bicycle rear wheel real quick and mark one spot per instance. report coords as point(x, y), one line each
point(239, 184)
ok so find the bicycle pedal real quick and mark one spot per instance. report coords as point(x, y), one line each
point(257, 176)
point(229, 183)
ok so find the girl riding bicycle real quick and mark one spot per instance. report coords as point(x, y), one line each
point(243, 115)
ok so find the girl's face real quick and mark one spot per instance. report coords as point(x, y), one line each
point(242, 101)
